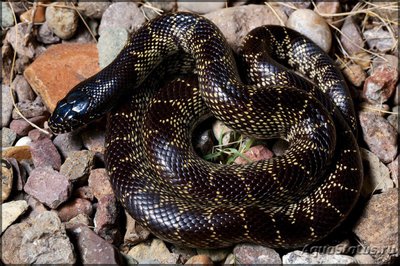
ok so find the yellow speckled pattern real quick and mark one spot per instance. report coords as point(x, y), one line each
point(287, 201)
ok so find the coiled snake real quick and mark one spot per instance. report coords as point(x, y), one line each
point(287, 201)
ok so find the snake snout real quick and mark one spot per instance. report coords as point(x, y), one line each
point(70, 112)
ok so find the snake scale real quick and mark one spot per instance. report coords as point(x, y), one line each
point(287, 201)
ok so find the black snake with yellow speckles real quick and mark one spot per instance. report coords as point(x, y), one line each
point(287, 201)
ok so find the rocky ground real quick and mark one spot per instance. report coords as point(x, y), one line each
point(57, 202)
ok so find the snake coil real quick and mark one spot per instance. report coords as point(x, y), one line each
point(287, 201)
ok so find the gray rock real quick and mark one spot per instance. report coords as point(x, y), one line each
point(200, 7)
point(394, 171)
point(253, 254)
point(27, 47)
point(7, 18)
point(42, 240)
point(48, 186)
point(376, 174)
point(23, 89)
point(82, 35)
point(29, 109)
point(393, 119)
point(46, 35)
point(386, 59)
point(204, 142)
point(315, 258)
point(7, 179)
point(44, 153)
point(62, 21)
point(77, 166)
point(378, 229)
point(379, 135)
point(379, 87)
point(67, 143)
point(110, 43)
point(92, 249)
point(93, 10)
point(8, 137)
point(10, 211)
point(355, 74)
point(125, 15)
point(6, 106)
point(94, 139)
point(330, 7)
point(379, 39)
point(222, 133)
point(311, 25)
point(157, 251)
point(351, 38)
point(236, 22)
point(292, 6)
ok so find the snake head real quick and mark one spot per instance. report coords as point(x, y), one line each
point(71, 112)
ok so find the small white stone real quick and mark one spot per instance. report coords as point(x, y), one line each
point(311, 25)
point(24, 141)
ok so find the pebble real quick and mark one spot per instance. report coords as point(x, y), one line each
point(7, 18)
point(10, 211)
point(25, 48)
point(74, 207)
point(80, 219)
point(7, 179)
point(22, 89)
point(254, 254)
point(236, 22)
point(200, 7)
point(106, 219)
point(222, 133)
point(394, 171)
point(67, 143)
point(62, 21)
point(99, 182)
point(185, 253)
point(330, 7)
point(351, 37)
point(157, 252)
point(29, 109)
point(110, 44)
point(396, 100)
point(24, 141)
point(363, 59)
point(92, 249)
point(255, 153)
point(125, 15)
point(230, 259)
point(94, 139)
point(77, 166)
point(381, 84)
point(39, 16)
point(292, 6)
point(311, 25)
point(299, 257)
point(199, 260)
point(379, 39)
point(42, 240)
point(48, 186)
point(379, 135)
point(36, 207)
point(379, 109)
point(8, 137)
point(19, 153)
point(93, 10)
point(44, 153)
point(46, 35)
point(376, 174)
point(135, 233)
point(393, 119)
point(378, 226)
point(82, 35)
point(216, 255)
point(363, 258)
point(355, 74)
point(22, 128)
point(59, 69)
point(6, 106)
point(386, 59)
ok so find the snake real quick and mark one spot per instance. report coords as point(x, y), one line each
point(279, 85)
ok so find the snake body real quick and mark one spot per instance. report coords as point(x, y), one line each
point(287, 201)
